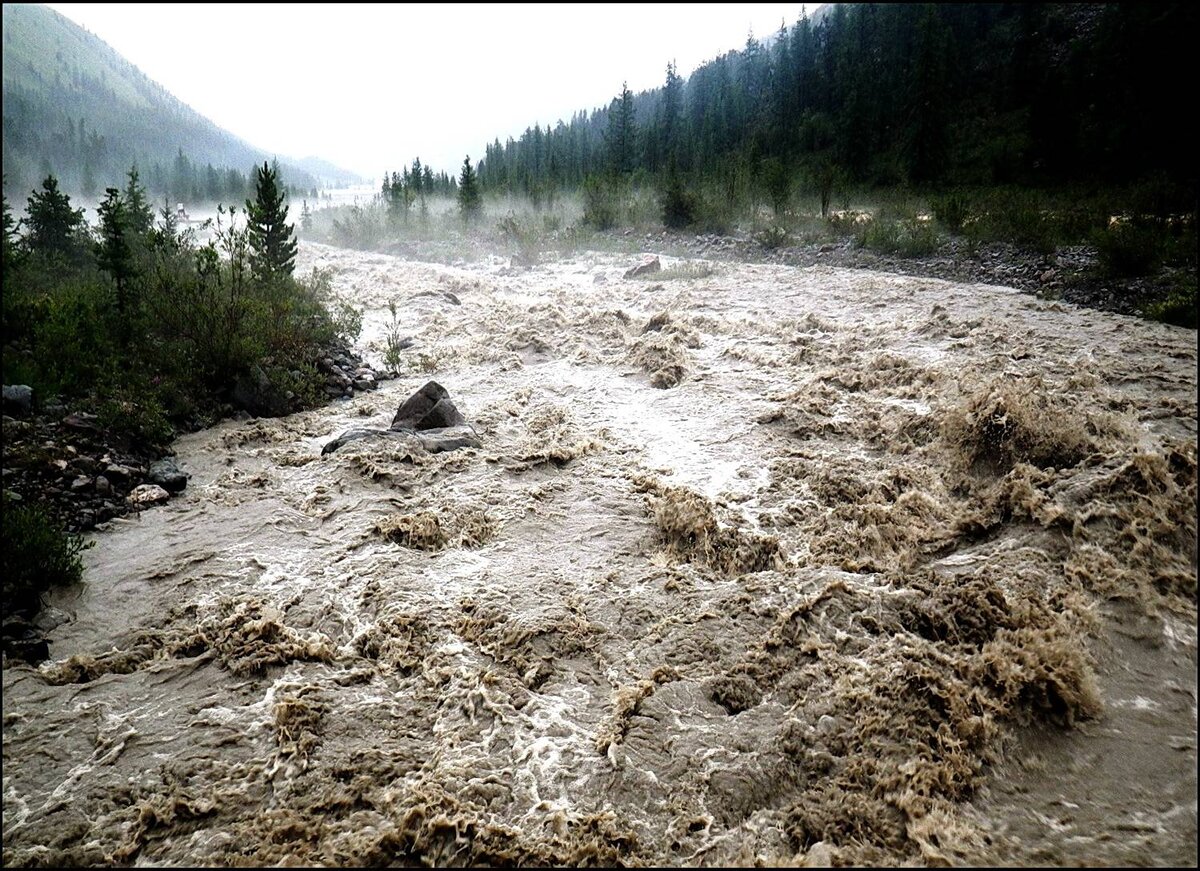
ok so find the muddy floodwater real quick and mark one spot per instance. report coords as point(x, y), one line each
point(756, 564)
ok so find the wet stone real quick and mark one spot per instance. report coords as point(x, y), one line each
point(147, 494)
point(428, 408)
point(167, 474)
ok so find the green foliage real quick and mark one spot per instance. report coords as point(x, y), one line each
point(622, 132)
point(8, 253)
point(678, 205)
point(139, 212)
point(601, 203)
point(393, 341)
point(271, 239)
point(951, 211)
point(52, 227)
point(1017, 216)
point(470, 199)
point(114, 251)
point(911, 238)
point(773, 236)
point(68, 335)
point(715, 214)
point(778, 183)
point(129, 408)
point(1179, 308)
point(37, 554)
point(200, 318)
point(1127, 249)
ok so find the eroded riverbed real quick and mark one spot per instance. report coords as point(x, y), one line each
point(768, 564)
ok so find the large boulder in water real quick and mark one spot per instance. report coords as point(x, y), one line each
point(427, 418)
point(167, 474)
point(428, 408)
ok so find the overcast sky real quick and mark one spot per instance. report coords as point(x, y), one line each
point(370, 87)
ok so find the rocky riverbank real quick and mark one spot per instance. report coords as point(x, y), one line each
point(84, 474)
point(1070, 274)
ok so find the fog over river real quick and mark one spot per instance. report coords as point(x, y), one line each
point(755, 564)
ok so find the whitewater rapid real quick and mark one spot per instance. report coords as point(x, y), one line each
point(755, 564)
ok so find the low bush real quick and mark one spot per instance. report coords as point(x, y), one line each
point(37, 554)
point(1179, 308)
point(1127, 249)
point(911, 238)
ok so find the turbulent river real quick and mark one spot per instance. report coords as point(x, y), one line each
point(756, 564)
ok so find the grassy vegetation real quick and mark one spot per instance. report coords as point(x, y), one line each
point(36, 555)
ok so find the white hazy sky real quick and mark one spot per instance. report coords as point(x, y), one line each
point(370, 87)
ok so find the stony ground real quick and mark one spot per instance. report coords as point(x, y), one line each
point(1071, 274)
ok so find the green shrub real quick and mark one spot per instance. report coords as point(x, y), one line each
point(1017, 217)
point(715, 215)
point(678, 206)
point(906, 238)
point(1127, 249)
point(773, 237)
point(1179, 308)
point(130, 409)
point(393, 340)
point(37, 554)
point(601, 205)
point(951, 211)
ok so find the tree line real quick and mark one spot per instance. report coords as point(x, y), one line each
point(932, 95)
point(154, 328)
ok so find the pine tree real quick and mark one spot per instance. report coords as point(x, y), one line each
point(9, 250)
point(470, 203)
point(138, 211)
point(272, 242)
point(53, 227)
point(621, 131)
point(114, 252)
point(672, 107)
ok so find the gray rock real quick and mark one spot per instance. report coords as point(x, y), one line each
point(449, 438)
point(428, 408)
point(118, 473)
point(18, 399)
point(50, 618)
point(167, 474)
point(256, 394)
point(434, 441)
point(646, 267)
point(427, 419)
point(147, 494)
point(103, 486)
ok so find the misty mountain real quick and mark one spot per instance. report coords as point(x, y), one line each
point(72, 105)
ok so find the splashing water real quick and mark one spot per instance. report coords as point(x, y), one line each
point(767, 564)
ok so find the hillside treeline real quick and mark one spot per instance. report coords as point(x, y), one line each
point(931, 95)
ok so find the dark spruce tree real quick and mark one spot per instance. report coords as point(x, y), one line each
point(470, 202)
point(52, 226)
point(622, 132)
point(272, 241)
point(10, 239)
point(139, 212)
point(114, 252)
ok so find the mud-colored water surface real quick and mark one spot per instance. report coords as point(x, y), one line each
point(768, 565)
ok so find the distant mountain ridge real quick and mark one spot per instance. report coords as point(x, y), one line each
point(74, 106)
